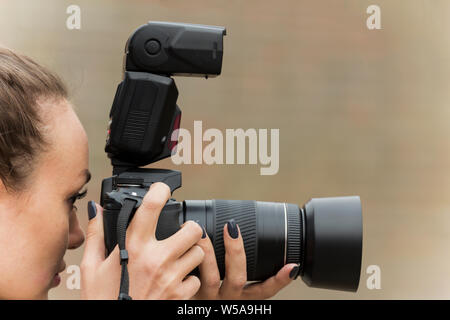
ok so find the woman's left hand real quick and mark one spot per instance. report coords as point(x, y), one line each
point(234, 285)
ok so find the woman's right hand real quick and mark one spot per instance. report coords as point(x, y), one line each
point(157, 269)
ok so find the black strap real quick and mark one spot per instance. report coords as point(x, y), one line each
point(122, 224)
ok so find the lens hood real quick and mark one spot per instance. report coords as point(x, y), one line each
point(333, 246)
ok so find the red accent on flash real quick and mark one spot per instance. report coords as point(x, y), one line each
point(176, 126)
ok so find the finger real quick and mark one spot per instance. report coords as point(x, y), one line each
point(189, 287)
point(209, 271)
point(188, 235)
point(143, 225)
point(94, 251)
point(235, 262)
point(271, 286)
point(189, 261)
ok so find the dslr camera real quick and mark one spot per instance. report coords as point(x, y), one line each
point(324, 236)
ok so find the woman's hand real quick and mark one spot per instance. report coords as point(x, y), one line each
point(157, 269)
point(234, 284)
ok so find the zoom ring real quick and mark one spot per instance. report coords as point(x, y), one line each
point(244, 213)
point(293, 251)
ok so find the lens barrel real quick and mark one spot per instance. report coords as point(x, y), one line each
point(324, 237)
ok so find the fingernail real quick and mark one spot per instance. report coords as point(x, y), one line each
point(294, 272)
point(232, 229)
point(204, 232)
point(92, 210)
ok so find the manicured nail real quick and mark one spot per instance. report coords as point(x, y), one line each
point(92, 210)
point(232, 229)
point(294, 272)
point(203, 228)
point(204, 233)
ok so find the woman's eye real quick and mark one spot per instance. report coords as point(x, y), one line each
point(78, 196)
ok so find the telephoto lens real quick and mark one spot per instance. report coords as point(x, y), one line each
point(324, 236)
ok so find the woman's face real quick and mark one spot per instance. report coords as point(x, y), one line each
point(39, 223)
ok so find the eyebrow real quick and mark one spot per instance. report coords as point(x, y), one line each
point(87, 174)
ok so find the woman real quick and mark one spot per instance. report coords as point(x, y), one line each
point(43, 169)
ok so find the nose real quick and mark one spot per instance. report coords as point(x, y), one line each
point(76, 235)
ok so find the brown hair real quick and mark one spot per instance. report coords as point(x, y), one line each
point(22, 83)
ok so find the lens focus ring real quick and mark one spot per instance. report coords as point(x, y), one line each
point(244, 213)
point(293, 252)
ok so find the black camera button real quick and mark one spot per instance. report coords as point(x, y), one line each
point(153, 47)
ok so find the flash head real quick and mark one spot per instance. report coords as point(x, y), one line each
point(169, 48)
point(144, 117)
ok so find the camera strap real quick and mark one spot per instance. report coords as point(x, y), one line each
point(122, 224)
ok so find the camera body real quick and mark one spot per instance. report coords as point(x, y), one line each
point(134, 185)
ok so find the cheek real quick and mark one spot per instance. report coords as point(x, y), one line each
point(54, 233)
point(37, 239)
point(57, 232)
point(51, 233)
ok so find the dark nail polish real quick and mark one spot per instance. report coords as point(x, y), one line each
point(298, 273)
point(92, 210)
point(204, 233)
point(203, 228)
point(294, 272)
point(232, 229)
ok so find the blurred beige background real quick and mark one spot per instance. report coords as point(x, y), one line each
point(359, 112)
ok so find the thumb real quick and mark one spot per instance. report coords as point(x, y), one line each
point(94, 250)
